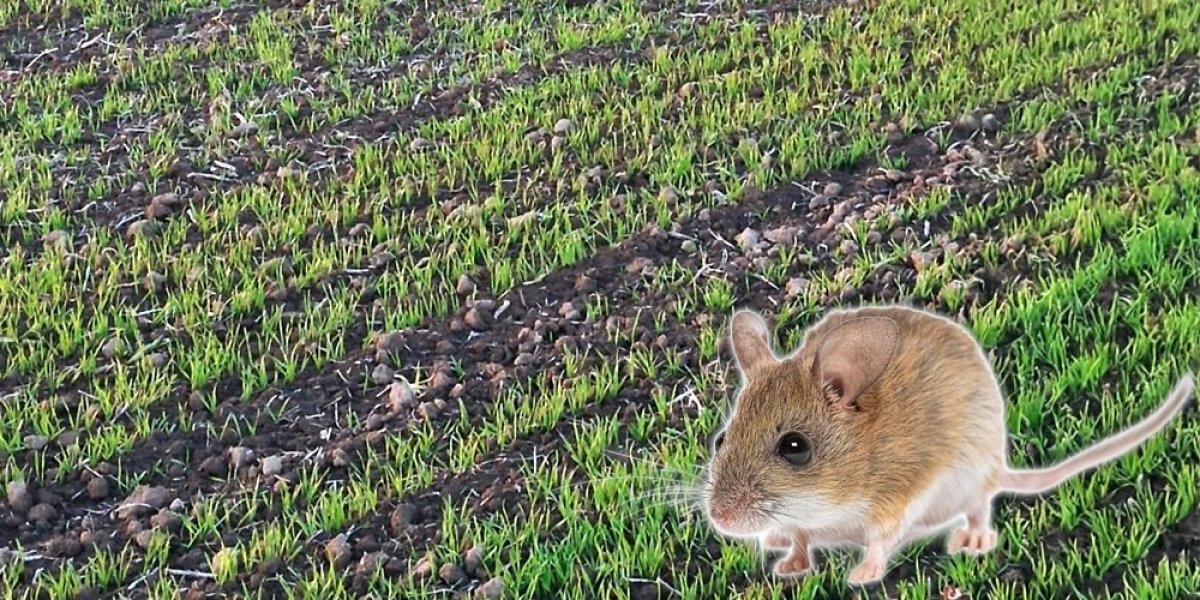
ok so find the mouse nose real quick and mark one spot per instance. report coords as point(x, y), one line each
point(723, 515)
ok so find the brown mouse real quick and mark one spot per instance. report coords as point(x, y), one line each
point(885, 426)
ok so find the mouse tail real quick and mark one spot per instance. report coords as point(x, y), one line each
point(1035, 481)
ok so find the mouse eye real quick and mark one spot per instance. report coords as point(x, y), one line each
point(795, 449)
point(720, 440)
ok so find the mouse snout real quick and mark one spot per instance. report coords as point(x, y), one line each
point(735, 511)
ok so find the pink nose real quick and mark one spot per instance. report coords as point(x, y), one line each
point(721, 515)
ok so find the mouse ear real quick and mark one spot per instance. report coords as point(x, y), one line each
point(854, 355)
point(751, 343)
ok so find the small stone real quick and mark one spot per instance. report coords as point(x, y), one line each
point(832, 189)
point(272, 466)
point(687, 90)
point(563, 126)
point(166, 519)
point(920, 260)
point(668, 196)
point(162, 205)
point(143, 501)
point(400, 396)
point(240, 456)
point(492, 589)
point(1041, 149)
point(477, 319)
point(402, 517)
point(521, 219)
point(423, 569)
point(584, 284)
point(382, 258)
point(795, 287)
point(19, 498)
point(990, 123)
point(214, 465)
point(951, 592)
point(748, 239)
point(440, 380)
point(427, 410)
point(244, 129)
point(337, 550)
point(169, 199)
point(473, 561)
point(141, 228)
point(569, 312)
point(112, 348)
point(58, 239)
point(420, 145)
point(782, 235)
point(689, 246)
point(279, 266)
point(969, 123)
point(1012, 573)
point(390, 342)
point(154, 281)
point(144, 538)
point(537, 136)
point(45, 496)
point(466, 212)
point(98, 488)
point(819, 201)
point(340, 458)
point(36, 442)
point(370, 563)
point(848, 247)
point(374, 422)
point(640, 265)
point(382, 374)
point(177, 505)
point(64, 546)
point(452, 574)
point(41, 513)
point(465, 285)
point(158, 360)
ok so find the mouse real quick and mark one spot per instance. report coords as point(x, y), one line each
point(885, 426)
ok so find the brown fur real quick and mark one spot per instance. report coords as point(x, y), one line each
point(912, 424)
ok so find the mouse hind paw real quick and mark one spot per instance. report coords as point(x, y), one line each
point(972, 541)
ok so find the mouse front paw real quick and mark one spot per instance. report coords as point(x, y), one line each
point(796, 563)
point(866, 572)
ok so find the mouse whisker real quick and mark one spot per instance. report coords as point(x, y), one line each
point(668, 497)
point(684, 507)
point(611, 478)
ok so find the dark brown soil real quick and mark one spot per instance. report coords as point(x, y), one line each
point(494, 352)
